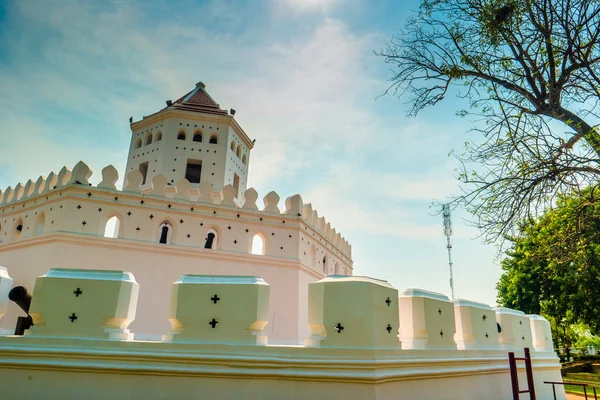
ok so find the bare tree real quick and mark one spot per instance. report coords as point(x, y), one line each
point(530, 71)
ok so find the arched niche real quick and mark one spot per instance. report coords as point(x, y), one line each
point(165, 232)
point(258, 245)
point(113, 228)
point(40, 222)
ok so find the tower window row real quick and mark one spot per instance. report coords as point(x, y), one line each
point(197, 137)
point(238, 151)
point(148, 140)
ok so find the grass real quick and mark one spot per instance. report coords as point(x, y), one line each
point(583, 377)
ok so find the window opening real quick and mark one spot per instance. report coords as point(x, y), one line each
point(213, 139)
point(164, 233)
point(258, 245)
point(236, 184)
point(181, 136)
point(197, 137)
point(138, 143)
point(144, 171)
point(158, 136)
point(239, 151)
point(210, 240)
point(193, 171)
point(113, 225)
point(149, 139)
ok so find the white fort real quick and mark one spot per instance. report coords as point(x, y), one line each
point(181, 286)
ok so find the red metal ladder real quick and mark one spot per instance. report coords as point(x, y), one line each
point(514, 376)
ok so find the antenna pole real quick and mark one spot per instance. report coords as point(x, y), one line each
point(448, 232)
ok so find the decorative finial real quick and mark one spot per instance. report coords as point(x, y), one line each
point(201, 84)
point(232, 111)
point(130, 120)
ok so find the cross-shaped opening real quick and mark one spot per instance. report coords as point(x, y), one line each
point(441, 333)
point(215, 298)
point(77, 292)
point(339, 328)
point(389, 328)
point(388, 301)
point(487, 336)
point(73, 317)
point(213, 323)
point(440, 311)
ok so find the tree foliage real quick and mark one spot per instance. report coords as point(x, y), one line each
point(530, 71)
point(553, 266)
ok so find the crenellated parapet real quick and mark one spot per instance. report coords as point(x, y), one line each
point(344, 312)
point(67, 202)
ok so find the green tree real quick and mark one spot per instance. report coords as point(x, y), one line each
point(552, 267)
point(530, 71)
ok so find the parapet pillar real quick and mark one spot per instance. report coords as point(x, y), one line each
point(476, 327)
point(352, 312)
point(426, 321)
point(515, 329)
point(541, 333)
point(219, 309)
point(83, 304)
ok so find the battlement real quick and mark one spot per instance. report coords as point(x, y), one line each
point(343, 312)
point(67, 202)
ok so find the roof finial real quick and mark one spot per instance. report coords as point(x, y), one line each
point(201, 84)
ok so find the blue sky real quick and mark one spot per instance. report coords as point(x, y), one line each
point(305, 83)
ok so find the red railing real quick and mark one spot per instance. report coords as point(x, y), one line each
point(514, 376)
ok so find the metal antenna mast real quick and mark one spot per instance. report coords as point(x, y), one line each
point(448, 232)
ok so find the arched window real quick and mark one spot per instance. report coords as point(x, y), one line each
point(312, 256)
point(232, 145)
point(164, 233)
point(213, 139)
point(181, 136)
point(258, 245)
point(239, 151)
point(197, 137)
point(337, 269)
point(210, 242)
point(18, 229)
point(138, 143)
point(112, 229)
point(325, 265)
point(244, 159)
point(148, 139)
point(158, 137)
point(39, 224)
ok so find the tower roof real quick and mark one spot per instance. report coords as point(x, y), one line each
point(198, 100)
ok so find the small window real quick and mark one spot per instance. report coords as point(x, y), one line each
point(244, 159)
point(211, 240)
point(144, 170)
point(164, 233)
point(325, 265)
point(239, 151)
point(193, 171)
point(232, 145)
point(18, 229)
point(148, 139)
point(236, 184)
point(213, 139)
point(158, 137)
point(181, 136)
point(138, 143)
point(112, 227)
point(258, 245)
point(197, 137)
